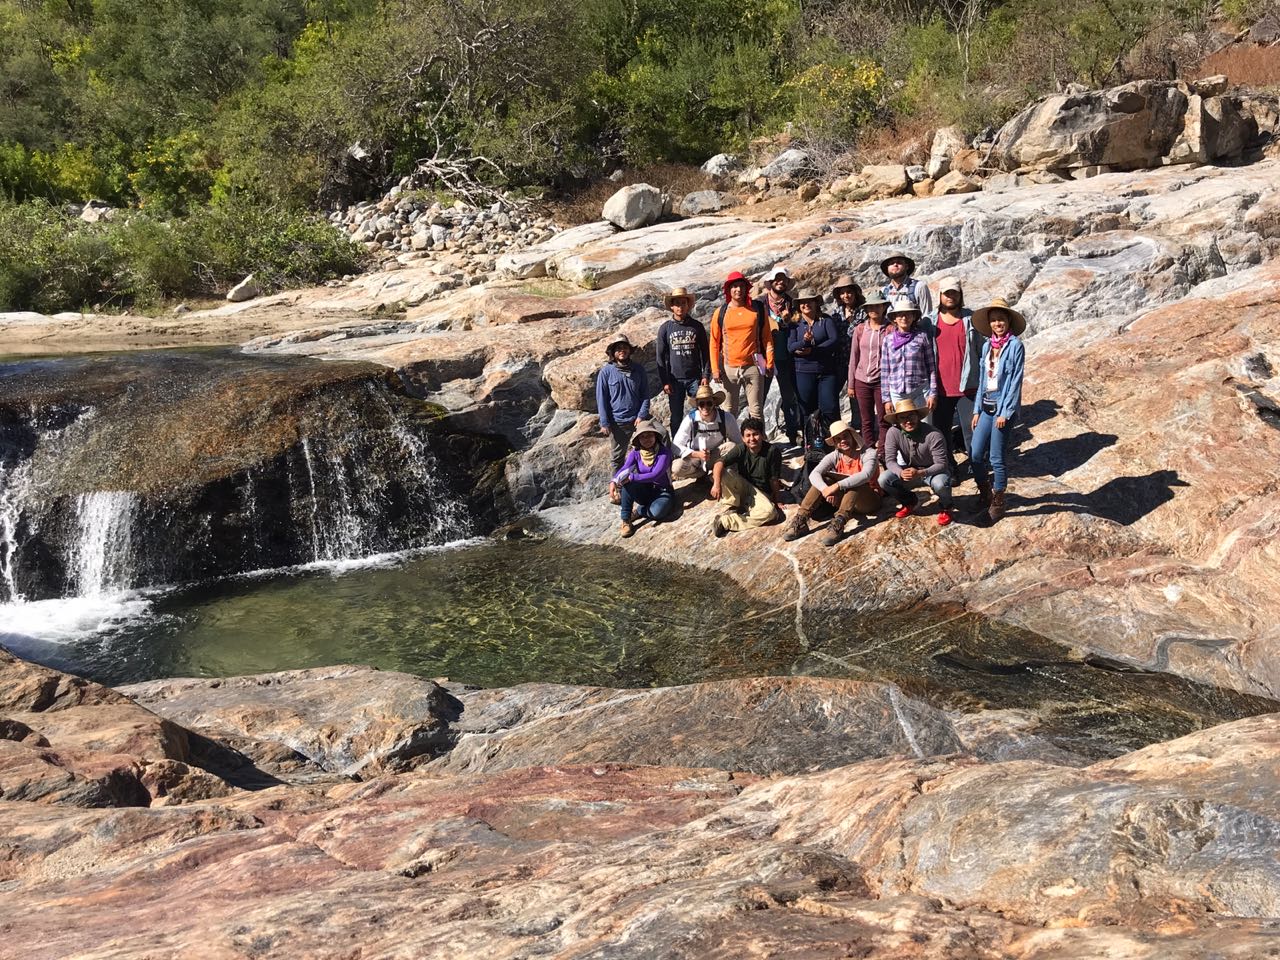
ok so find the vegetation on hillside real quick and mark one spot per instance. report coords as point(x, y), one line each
point(250, 112)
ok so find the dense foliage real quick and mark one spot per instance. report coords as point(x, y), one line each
point(182, 107)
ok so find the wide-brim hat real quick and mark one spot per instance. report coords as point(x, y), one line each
point(876, 300)
point(615, 344)
point(647, 426)
point(838, 428)
point(903, 305)
point(907, 405)
point(982, 318)
point(806, 293)
point(772, 275)
point(897, 255)
point(736, 277)
point(706, 393)
point(845, 282)
point(679, 293)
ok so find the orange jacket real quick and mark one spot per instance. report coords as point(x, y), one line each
point(741, 333)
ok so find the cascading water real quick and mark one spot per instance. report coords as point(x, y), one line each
point(160, 483)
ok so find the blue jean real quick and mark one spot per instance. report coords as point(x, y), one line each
point(679, 390)
point(892, 484)
point(648, 500)
point(989, 444)
point(819, 392)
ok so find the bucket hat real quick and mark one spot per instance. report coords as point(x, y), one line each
point(906, 405)
point(621, 341)
point(875, 300)
point(647, 426)
point(679, 293)
point(897, 255)
point(903, 305)
point(838, 428)
point(706, 393)
point(735, 277)
point(844, 281)
point(807, 293)
point(982, 318)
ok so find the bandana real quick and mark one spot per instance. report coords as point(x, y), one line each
point(901, 339)
point(997, 343)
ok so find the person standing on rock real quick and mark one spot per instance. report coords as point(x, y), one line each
point(704, 436)
point(683, 354)
point(644, 480)
point(747, 482)
point(846, 480)
point(915, 455)
point(622, 402)
point(900, 281)
point(847, 296)
point(997, 401)
point(958, 347)
point(780, 308)
point(741, 347)
point(864, 372)
point(908, 365)
point(814, 344)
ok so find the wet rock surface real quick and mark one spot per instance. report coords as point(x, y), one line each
point(1167, 852)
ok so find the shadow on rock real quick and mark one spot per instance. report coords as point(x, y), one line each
point(1126, 500)
point(1056, 457)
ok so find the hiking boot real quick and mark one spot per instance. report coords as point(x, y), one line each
point(627, 529)
point(799, 526)
point(944, 517)
point(984, 495)
point(996, 510)
point(835, 530)
point(718, 529)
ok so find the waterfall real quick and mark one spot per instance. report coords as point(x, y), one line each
point(14, 482)
point(102, 555)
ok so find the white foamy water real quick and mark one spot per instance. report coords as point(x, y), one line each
point(102, 558)
point(67, 618)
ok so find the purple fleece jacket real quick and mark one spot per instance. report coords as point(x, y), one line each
point(634, 471)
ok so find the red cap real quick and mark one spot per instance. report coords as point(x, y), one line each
point(732, 279)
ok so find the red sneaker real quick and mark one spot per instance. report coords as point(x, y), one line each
point(903, 512)
point(943, 518)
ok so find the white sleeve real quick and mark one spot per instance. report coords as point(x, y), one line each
point(683, 437)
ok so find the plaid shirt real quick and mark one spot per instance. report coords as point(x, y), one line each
point(906, 370)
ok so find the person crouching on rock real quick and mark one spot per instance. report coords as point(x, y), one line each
point(683, 354)
point(915, 454)
point(908, 363)
point(845, 479)
point(998, 400)
point(747, 482)
point(644, 481)
point(622, 402)
point(705, 435)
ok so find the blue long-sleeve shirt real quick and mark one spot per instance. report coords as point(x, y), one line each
point(824, 351)
point(1009, 366)
point(622, 394)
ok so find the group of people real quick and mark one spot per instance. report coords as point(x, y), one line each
point(909, 373)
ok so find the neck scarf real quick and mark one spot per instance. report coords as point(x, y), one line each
point(997, 343)
point(776, 302)
point(647, 457)
point(901, 339)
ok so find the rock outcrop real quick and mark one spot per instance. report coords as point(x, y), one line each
point(515, 850)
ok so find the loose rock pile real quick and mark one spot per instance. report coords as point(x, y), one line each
point(410, 225)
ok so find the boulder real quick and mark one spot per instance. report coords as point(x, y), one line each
point(788, 165)
point(923, 187)
point(721, 166)
point(246, 289)
point(885, 179)
point(96, 211)
point(807, 191)
point(634, 206)
point(916, 173)
point(532, 261)
point(1130, 127)
point(946, 142)
point(702, 202)
point(955, 182)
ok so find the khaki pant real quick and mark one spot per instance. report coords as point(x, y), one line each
point(746, 505)
point(858, 501)
point(753, 381)
point(686, 468)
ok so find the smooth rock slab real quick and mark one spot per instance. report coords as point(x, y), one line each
point(349, 720)
point(767, 725)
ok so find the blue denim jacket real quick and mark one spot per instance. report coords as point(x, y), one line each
point(1008, 377)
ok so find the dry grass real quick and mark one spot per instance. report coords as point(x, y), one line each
point(1247, 64)
point(907, 141)
point(583, 205)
